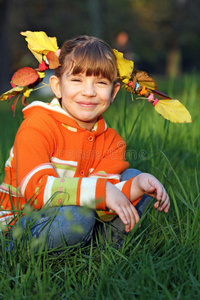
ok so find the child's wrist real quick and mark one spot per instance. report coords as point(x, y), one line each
point(136, 191)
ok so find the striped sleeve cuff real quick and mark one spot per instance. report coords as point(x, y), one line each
point(125, 188)
point(88, 192)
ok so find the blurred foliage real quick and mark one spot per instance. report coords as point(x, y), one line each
point(163, 37)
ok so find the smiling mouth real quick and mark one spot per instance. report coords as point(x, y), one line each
point(87, 105)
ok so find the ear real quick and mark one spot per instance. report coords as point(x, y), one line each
point(55, 86)
point(115, 90)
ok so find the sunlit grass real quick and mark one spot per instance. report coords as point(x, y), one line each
point(160, 259)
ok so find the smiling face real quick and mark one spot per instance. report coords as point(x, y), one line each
point(84, 98)
point(86, 80)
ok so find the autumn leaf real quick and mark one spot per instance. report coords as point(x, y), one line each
point(40, 44)
point(52, 60)
point(43, 66)
point(12, 92)
point(24, 77)
point(124, 66)
point(173, 110)
point(145, 80)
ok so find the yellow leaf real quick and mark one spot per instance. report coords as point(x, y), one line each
point(124, 66)
point(12, 92)
point(41, 74)
point(4, 97)
point(39, 43)
point(173, 110)
point(27, 92)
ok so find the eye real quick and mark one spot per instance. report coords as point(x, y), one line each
point(103, 82)
point(75, 79)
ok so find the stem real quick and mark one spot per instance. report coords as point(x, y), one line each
point(133, 126)
point(166, 126)
point(125, 114)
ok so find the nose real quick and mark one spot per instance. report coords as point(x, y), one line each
point(88, 90)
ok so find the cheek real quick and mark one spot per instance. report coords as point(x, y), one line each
point(107, 96)
point(67, 93)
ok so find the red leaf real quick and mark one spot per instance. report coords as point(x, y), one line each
point(25, 76)
point(12, 84)
point(14, 105)
point(43, 66)
point(53, 60)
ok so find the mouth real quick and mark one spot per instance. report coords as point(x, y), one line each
point(87, 104)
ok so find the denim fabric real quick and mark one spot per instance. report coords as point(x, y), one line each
point(69, 225)
point(65, 225)
point(114, 230)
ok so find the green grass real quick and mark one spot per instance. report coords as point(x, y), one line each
point(160, 259)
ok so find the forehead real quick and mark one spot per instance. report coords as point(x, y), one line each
point(92, 61)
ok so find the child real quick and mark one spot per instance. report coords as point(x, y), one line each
point(65, 155)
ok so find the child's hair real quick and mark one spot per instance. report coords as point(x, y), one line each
point(90, 55)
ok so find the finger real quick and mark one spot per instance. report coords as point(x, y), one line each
point(164, 203)
point(151, 190)
point(157, 192)
point(128, 215)
point(127, 228)
point(134, 216)
point(156, 205)
point(119, 211)
point(137, 217)
point(165, 206)
point(154, 183)
point(160, 191)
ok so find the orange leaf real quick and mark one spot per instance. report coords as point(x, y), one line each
point(25, 76)
point(53, 60)
point(144, 80)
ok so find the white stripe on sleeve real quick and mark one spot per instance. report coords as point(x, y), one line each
point(87, 192)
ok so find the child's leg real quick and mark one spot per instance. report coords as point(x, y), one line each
point(65, 225)
point(115, 229)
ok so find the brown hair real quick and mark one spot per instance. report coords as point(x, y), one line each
point(90, 55)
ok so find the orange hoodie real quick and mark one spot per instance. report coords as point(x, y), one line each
point(55, 161)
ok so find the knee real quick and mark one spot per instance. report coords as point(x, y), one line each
point(129, 173)
point(78, 215)
point(73, 224)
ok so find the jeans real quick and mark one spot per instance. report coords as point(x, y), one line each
point(69, 225)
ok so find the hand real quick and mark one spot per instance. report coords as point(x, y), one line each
point(147, 184)
point(119, 203)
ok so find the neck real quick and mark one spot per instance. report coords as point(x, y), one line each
point(86, 125)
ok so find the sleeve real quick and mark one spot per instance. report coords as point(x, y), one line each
point(113, 164)
point(38, 182)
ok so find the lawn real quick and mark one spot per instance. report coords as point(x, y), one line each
point(160, 259)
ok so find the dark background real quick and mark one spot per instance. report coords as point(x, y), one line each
point(163, 36)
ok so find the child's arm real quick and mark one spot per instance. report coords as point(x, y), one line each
point(147, 184)
point(119, 203)
point(142, 184)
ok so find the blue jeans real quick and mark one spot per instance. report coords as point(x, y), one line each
point(69, 225)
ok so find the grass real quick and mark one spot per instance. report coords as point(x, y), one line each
point(160, 259)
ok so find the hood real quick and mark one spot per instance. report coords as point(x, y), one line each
point(55, 110)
